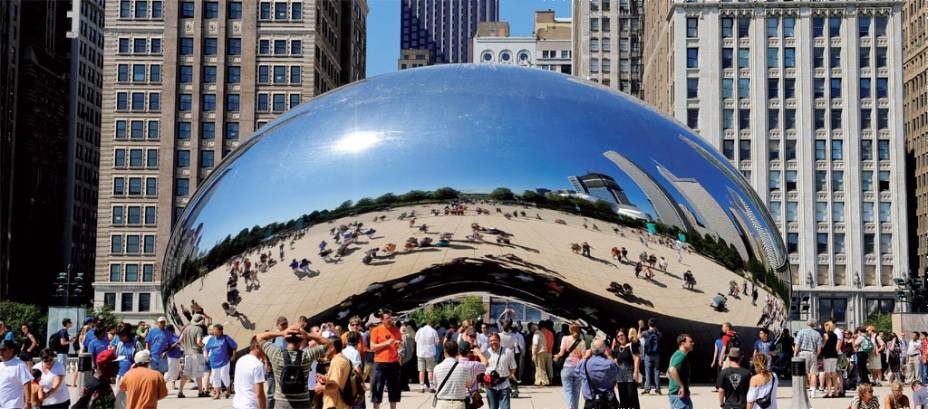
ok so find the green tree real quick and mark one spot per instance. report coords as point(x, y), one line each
point(881, 322)
point(445, 193)
point(345, 205)
point(533, 196)
point(470, 308)
point(15, 314)
point(413, 196)
point(364, 202)
point(502, 194)
point(103, 313)
point(386, 199)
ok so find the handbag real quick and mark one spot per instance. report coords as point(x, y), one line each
point(474, 401)
point(563, 358)
point(764, 402)
point(442, 385)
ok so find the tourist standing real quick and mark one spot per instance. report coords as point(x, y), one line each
point(874, 361)
point(332, 386)
point(733, 382)
point(291, 366)
point(60, 341)
point(598, 374)
point(571, 350)
point(626, 352)
point(510, 340)
point(454, 380)
point(386, 341)
point(54, 391)
point(219, 352)
point(30, 344)
point(144, 386)
point(249, 379)
point(832, 345)
point(718, 357)
point(191, 338)
point(808, 347)
point(174, 354)
point(541, 355)
point(158, 340)
point(763, 391)
point(652, 359)
point(501, 366)
point(678, 390)
point(426, 340)
point(913, 355)
point(863, 347)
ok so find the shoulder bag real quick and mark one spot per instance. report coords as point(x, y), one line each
point(598, 401)
point(563, 358)
point(442, 385)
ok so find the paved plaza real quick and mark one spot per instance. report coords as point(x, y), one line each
point(543, 398)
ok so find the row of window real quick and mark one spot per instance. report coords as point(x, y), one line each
point(789, 57)
point(140, 46)
point(209, 75)
point(135, 101)
point(280, 10)
point(207, 158)
point(282, 74)
point(128, 302)
point(136, 129)
point(135, 158)
point(837, 211)
point(132, 244)
point(211, 10)
point(211, 46)
point(139, 73)
point(277, 102)
point(207, 130)
point(867, 26)
point(134, 186)
point(134, 215)
point(140, 10)
point(129, 273)
point(280, 47)
point(789, 153)
point(208, 102)
point(821, 240)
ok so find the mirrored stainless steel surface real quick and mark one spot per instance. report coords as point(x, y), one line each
point(434, 181)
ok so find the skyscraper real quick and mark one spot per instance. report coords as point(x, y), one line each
point(33, 149)
point(805, 99)
point(607, 42)
point(439, 31)
point(186, 83)
point(915, 71)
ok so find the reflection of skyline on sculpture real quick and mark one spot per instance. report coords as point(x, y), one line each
point(509, 171)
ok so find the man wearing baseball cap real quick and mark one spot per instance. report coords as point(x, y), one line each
point(733, 382)
point(144, 386)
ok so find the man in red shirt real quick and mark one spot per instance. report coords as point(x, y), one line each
point(386, 342)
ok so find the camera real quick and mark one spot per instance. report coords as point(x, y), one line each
point(492, 378)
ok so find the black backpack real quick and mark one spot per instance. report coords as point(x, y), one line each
point(54, 342)
point(292, 378)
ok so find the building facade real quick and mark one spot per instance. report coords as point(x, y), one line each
point(805, 98)
point(186, 83)
point(553, 42)
point(607, 42)
point(915, 70)
point(444, 28)
point(549, 47)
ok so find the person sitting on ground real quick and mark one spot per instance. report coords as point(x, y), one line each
point(897, 399)
point(865, 398)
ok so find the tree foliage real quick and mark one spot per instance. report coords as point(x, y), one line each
point(15, 314)
point(467, 308)
point(502, 194)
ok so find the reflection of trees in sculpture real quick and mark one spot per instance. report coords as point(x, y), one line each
point(246, 240)
point(467, 308)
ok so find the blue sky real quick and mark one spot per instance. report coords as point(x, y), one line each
point(383, 27)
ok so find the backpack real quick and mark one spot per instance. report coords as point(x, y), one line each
point(652, 342)
point(866, 345)
point(54, 342)
point(734, 341)
point(353, 390)
point(292, 378)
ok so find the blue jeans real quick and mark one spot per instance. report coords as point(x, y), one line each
point(572, 383)
point(498, 399)
point(652, 372)
point(63, 360)
point(677, 402)
point(924, 372)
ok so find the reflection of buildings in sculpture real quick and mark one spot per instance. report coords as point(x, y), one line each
point(709, 216)
point(599, 185)
point(761, 240)
point(664, 206)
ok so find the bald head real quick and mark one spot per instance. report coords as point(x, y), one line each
point(598, 347)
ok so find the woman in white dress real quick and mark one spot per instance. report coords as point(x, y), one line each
point(763, 391)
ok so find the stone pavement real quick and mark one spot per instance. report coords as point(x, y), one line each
point(545, 398)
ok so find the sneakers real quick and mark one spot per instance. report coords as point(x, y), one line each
point(812, 393)
point(658, 392)
point(181, 395)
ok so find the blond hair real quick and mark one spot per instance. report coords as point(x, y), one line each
point(864, 387)
point(829, 326)
point(633, 335)
point(760, 364)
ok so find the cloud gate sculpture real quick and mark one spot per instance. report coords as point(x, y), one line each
point(425, 183)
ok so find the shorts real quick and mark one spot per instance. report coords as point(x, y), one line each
point(193, 366)
point(426, 364)
point(874, 362)
point(220, 376)
point(173, 369)
point(831, 365)
point(160, 365)
point(811, 361)
point(386, 375)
